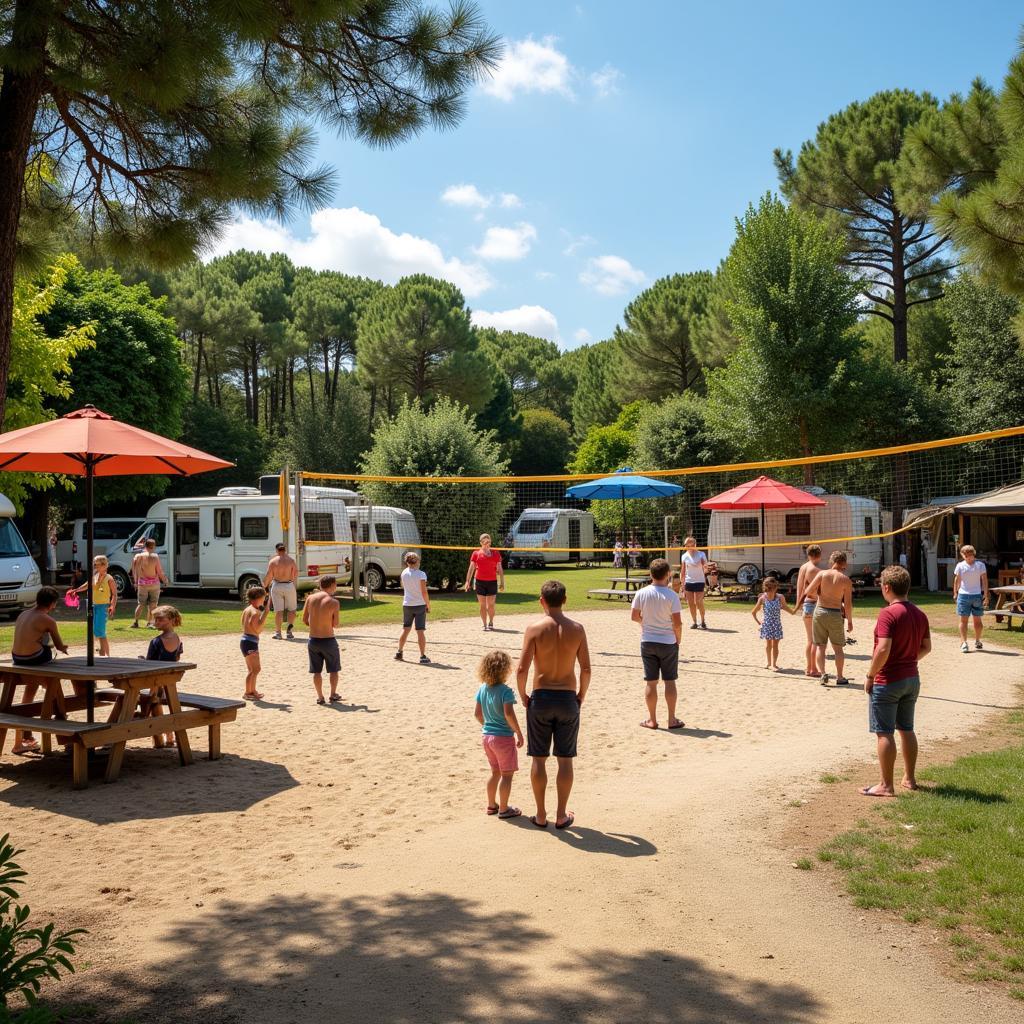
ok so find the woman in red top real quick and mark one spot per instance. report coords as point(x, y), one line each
point(485, 565)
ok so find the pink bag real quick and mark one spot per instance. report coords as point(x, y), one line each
point(71, 599)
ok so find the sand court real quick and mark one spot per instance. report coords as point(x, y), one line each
point(337, 863)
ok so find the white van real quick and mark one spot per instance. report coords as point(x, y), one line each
point(107, 535)
point(227, 540)
point(392, 526)
point(566, 528)
point(843, 515)
point(19, 574)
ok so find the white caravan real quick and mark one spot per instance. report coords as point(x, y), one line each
point(566, 528)
point(842, 516)
point(19, 574)
point(226, 540)
point(391, 526)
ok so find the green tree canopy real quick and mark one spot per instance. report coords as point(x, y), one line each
point(416, 339)
point(593, 402)
point(657, 353)
point(151, 120)
point(441, 441)
point(849, 174)
point(543, 445)
point(605, 449)
point(676, 434)
point(786, 389)
point(521, 357)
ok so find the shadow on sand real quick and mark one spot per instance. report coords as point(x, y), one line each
point(416, 959)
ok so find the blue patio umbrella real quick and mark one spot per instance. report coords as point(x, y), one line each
point(623, 484)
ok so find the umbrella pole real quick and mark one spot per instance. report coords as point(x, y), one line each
point(89, 658)
point(625, 534)
point(764, 540)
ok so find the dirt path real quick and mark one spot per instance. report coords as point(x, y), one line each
point(338, 866)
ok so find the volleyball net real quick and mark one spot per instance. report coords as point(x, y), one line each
point(862, 502)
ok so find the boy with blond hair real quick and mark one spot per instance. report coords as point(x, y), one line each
point(970, 592)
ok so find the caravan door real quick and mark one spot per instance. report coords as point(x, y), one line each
point(217, 546)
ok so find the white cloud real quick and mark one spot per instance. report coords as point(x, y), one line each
point(510, 200)
point(606, 81)
point(531, 66)
point(583, 336)
point(465, 195)
point(535, 320)
point(611, 275)
point(544, 275)
point(575, 243)
point(354, 242)
point(507, 243)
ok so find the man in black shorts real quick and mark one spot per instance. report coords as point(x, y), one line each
point(553, 646)
point(321, 615)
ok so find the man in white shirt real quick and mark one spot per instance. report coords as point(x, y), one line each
point(656, 607)
point(970, 592)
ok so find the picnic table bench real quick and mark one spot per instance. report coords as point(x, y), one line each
point(1009, 603)
point(143, 699)
point(630, 585)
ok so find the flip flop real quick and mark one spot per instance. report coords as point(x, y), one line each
point(320, 700)
point(680, 724)
point(647, 724)
point(510, 812)
point(568, 821)
point(533, 818)
point(335, 698)
point(867, 791)
point(492, 809)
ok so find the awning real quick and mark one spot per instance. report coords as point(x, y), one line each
point(1004, 501)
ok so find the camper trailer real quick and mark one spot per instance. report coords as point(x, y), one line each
point(226, 540)
point(557, 528)
point(843, 515)
point(391, 526)
point(19, 574)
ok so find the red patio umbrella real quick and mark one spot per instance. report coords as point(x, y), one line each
point(762, 493)
point(90, 443)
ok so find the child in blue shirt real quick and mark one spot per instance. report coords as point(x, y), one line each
point(502, 736)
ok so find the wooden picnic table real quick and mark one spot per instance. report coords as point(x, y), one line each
point(629, 582)
point(1010, 600)
point(139, 689)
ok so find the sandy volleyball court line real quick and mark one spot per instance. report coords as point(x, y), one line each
point(337, 864)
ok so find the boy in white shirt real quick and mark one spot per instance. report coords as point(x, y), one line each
point(656, 607)
point(415, 605)
point(970, 592)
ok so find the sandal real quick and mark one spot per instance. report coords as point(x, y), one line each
point(335, 698)
point(320, 700)
point(491, 808)
point(510, 812)
point(539, 824)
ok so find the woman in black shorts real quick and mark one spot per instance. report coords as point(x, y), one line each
point(485, 565)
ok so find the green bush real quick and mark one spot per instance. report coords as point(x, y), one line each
point(27, 955)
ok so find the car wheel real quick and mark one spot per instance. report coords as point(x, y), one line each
point(747, 574)
point(244, 583)
point(122, 581)
point(374, 578)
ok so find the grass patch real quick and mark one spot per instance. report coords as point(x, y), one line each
point(830, 778)
point(804, 864)
point(960, 867)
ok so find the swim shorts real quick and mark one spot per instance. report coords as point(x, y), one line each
point(553, 715)
point(828, 627)
point(892, 706)
point(42, 657)
point(323, 650)
point(501, 752)
point(249, 645)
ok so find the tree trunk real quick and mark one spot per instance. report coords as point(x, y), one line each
point(312, 391)
point(209, 378)
point(200, 358)
point(291, 384)
point(334, 377)
point(254, 370)
point(20, 93)
point(899, 293)
point(248, 392)
point(373, 404)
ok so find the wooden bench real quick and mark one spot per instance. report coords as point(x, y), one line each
point(74, 733)
point(608, 593)
point(1003, 613)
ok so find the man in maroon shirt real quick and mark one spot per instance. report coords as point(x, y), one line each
point(901, 640)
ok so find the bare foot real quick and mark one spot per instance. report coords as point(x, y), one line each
point(775, 668)
point(909, 784)
point(648, 724)
point(878, 790)
point(767, 664)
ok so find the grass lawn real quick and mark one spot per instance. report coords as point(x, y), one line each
point(952, 855)
point(218, 612)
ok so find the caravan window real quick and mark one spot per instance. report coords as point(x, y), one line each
point(868, 525)
point(222, 522)
point(254, 527)
point(534, 527)
point(385, 535)
point(116, 530)
point(746, 526)
point(798, 524)
point(318, 525)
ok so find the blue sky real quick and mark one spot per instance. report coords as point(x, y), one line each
point(617, 143)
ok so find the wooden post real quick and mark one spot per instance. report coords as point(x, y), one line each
point(214, 730)
point(79, 764)
point(960, 530)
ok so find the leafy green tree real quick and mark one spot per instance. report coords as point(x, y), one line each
point(40, 363)
point(656, 353)
point(786, 389)
point(676, 434)
point(416, 339)
point(440, 442)
point(134, 371)
point(928, 339)
point(521, 357)
point(543, 445)
point(606, 449)
point(151, 120)
point(849, 174)
point(985, 370)
point(499, 415)
point(594, 402)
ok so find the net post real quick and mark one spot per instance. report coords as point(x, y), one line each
point(284, 509)
point(370, 532)
point(300, 545)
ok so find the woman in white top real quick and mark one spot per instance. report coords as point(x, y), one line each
point(415, 605)
point(694, 579)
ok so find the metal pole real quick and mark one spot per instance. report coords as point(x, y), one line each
point(300, 545)
point(371, 533)
point(764, 540)
point(89, 470)
point(625, 534)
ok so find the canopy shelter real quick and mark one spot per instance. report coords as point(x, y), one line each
point(90, 443)
point(762, 493)
point(623, 484)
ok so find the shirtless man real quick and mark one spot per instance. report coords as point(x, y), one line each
point(320, 614)
point(147, 575)
point(807, 572)
point(33, 632)
point(832, 590)
point(553, 647)
point(282, 573)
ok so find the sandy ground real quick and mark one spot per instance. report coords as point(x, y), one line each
point(336, 865)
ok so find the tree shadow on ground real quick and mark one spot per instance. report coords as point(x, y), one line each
point(975, 796)
point(152, 785)
point(417, 959)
